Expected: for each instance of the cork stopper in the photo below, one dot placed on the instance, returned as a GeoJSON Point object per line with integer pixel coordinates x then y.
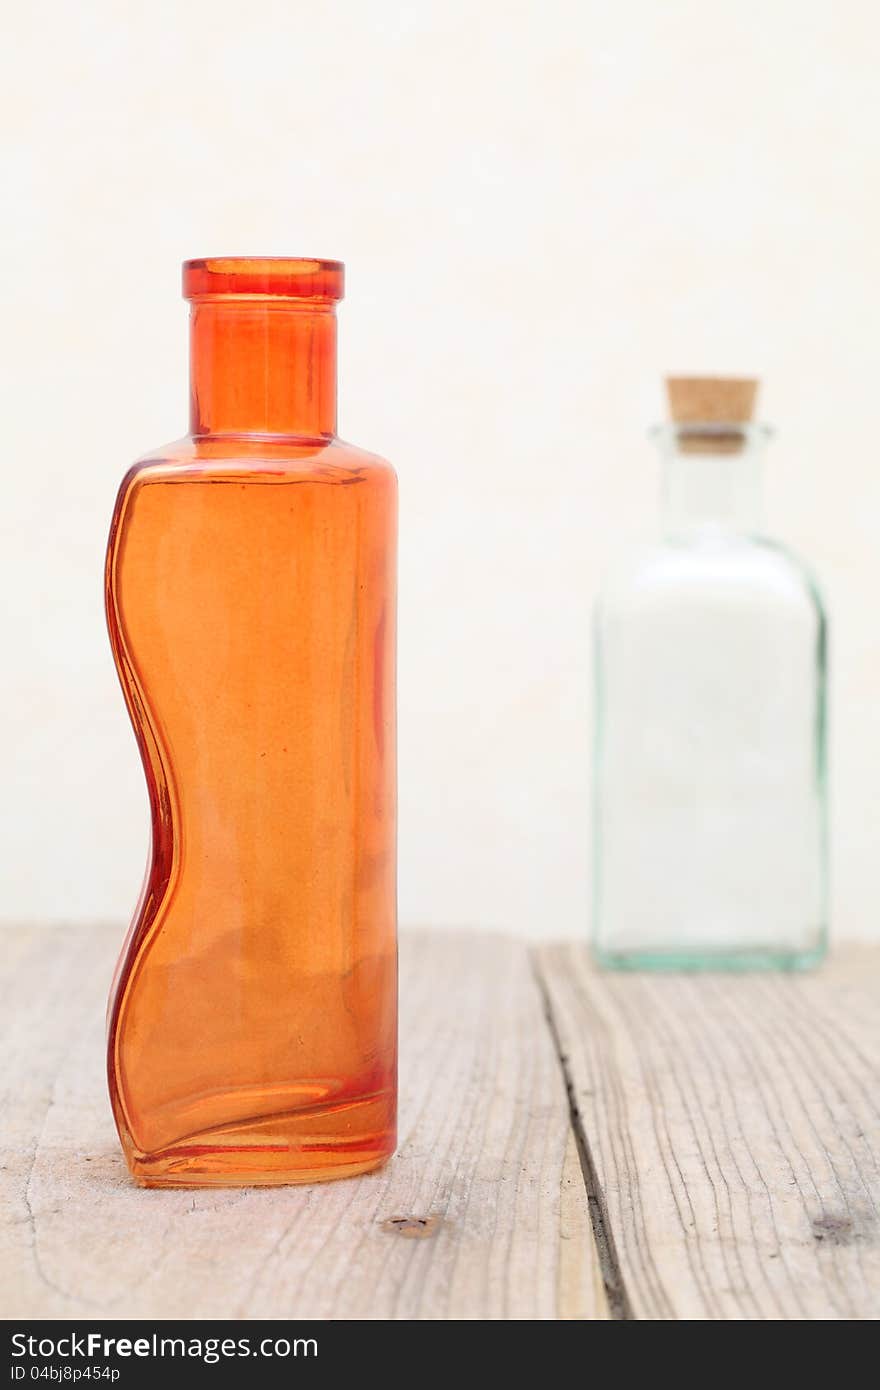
{"type": "Point", "coordinates": [715, 401]}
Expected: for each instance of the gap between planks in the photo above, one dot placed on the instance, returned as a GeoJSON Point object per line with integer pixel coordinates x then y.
{"type": "Point", "coordinates": [616, 1297]}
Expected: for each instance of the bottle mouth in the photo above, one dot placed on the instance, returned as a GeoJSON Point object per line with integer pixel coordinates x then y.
{"type": "Point", "coordinates": [263, 277]}
{"type": "Point", "coordinates": [717, 434]}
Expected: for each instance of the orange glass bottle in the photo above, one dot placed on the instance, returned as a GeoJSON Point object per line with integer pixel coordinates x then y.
{"type": "Point", "coordinates": [251, 605]}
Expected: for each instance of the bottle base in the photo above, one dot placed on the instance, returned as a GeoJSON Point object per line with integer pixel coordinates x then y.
{"type": "Point", "coordinates": [191, 1164]}
{"type": "Point", "coordinates": [301, 1146]}
{"type": "Point", "coordinates": [724, 961]}
{"type": "Point", "coordinates": [231, 1168]}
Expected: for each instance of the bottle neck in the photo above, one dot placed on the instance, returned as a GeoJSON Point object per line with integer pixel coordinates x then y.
{"type": "Point", "coordinates": [710, 488]}
{"type": "Point", "coordinates": [263, 367]}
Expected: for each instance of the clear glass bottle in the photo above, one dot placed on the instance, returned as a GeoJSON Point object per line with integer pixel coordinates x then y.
{"type": "Point", "coordinates": [710, 757]}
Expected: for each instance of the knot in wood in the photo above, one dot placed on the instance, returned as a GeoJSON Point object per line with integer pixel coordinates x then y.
{"type": "Point", "coordinates": [413, 1227]}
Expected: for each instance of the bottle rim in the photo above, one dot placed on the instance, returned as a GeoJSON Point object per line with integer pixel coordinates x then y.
{"type": "Point", "coordinates": [263, 277]}
{"type": "Point", "coordinates": [749, 432]}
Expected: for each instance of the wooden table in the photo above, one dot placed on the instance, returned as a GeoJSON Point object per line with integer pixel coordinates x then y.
{"type": "Point", "coordinates": [572, 1145]}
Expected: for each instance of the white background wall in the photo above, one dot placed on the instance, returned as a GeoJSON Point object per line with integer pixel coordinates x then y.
{"type": "Point", "coordinates": [543, 206]}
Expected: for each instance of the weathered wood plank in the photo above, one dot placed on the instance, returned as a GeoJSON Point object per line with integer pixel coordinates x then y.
{"type": "Point", "coordinates": [733, 1129]}
{"type": "Point", "coordinates": [486, 1158]}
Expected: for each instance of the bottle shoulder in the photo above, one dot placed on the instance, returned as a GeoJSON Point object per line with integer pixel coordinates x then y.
{"type": "Point", "coordinates": [254, 459]}
{"type": "Point", "coordinates": [749, 568]}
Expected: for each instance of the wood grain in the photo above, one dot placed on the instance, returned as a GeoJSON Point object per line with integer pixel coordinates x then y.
{"type": "Point", "coordinates": [732, 1126]}
{"type": "Point", "coordinates": [481, 1214]}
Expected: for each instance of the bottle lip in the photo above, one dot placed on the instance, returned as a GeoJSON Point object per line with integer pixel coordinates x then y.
{"type": "Point", "coordinates": [713, 430]}
{"type": "Point", "coordinates": [263, 277]}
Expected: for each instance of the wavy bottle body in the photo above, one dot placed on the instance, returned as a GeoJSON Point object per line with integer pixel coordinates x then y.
{"type": "Point", "coordinates": [251, 608]}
